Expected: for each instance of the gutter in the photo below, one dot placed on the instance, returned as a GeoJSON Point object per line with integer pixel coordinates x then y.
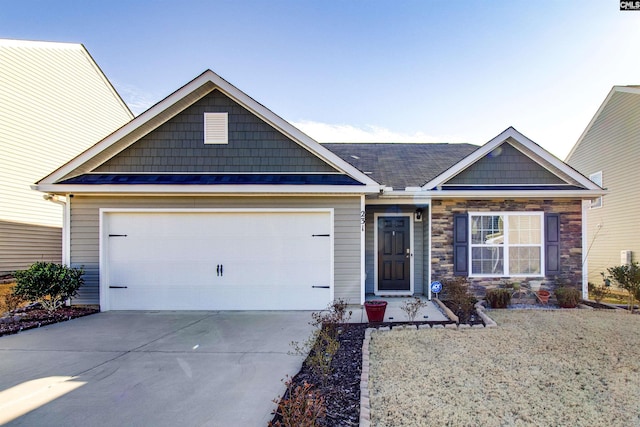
{"type": "Point", "coordinates": [66, 222]}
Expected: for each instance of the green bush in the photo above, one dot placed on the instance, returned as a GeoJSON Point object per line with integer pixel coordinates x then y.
{"type": "Point", "coordinates": [48, 283]}
{"type": "Point", "coordinates": [568, 297]}
{"type": "Point", "coordinates": [628, 278]}
{"type": "Point", "coordinates": [598, 293]}
{"type": "Point", "coordinates": [498, 298]}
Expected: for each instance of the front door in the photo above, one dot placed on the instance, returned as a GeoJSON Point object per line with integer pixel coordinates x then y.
{"type": "Point", "coordinates": [394, 254]}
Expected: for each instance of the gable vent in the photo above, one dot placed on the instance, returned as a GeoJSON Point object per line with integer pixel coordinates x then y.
{"type": "Point", "coordinates": [216, 129]}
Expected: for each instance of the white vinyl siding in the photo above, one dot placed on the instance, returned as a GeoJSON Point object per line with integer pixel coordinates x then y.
{"type": "Point", "coordinates": [611, 145]}
{"type": "Point", "coordinates": [597, 178]}
{"type": "Point", "coordinates": [506, 244]}
{"type": "Point", "coordinates": [347, 228]}
{"type": "Point", "coordinates": [55, 103]}
{"type": "Point", "coordinates": [216, 128]}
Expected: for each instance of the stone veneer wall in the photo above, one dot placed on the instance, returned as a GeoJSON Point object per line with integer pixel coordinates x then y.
{"type": "Point", "coordinates": [570, 231]}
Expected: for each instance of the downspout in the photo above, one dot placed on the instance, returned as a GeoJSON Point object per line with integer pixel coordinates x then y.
{"type": "Point", "coordinates": [429, 252]}
{"type": "Point", "coordinates": [66, 231]}
{"type": "Point", "coordinates": [586, 204]}
{"type": "Point", "coordinates": [362, 250]}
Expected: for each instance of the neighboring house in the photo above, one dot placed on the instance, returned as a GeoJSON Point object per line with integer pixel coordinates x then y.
{"type": "Point", "coordinates": [54, 103]}
{"type": "Point", "coordinates": [209, 200]}
{"type": "Point", "coordinates": [608, 152]}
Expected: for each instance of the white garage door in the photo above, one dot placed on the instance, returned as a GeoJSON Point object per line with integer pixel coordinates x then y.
{"type": "Point", "coordinates": [217, 260]}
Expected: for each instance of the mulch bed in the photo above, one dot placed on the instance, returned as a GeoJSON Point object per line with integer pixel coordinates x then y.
{"type": "Point", "coordinates": [470, 318]}
{"type": "Point", "coordinates": [34, 317]}
{"type": "Point", "coordinates": [342, 391]}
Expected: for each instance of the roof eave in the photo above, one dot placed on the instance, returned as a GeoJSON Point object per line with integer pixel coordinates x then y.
{"type": "Point", "coordinates": [237, 95]}
{"type": "Point", "coordinates": [495, 194]}
{"type": "Point", "coordinates": [142, 189]}
{"type": "Point", "coordinates": [524, 141]}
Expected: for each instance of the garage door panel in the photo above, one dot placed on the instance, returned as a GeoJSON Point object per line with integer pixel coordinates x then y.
{"type": "Point", "coordinates": [270, 260]}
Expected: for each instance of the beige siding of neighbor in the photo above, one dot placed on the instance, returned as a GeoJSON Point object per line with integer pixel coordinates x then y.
{"type": "Point", "coordinates": [54, 103]}
{"type": "Point", "coordinates": [612, 145]}
{"type": "Point", "coordinates": [85, 250]}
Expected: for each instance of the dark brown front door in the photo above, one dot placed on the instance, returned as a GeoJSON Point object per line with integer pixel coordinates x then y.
{"type": "Point", "coordinates": [394, 256]}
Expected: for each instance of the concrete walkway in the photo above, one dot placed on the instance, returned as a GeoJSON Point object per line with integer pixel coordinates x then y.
{"type": "Point", "coordinates": [394, 313]}
{"type": "Point", "coordinates": [150, 368]}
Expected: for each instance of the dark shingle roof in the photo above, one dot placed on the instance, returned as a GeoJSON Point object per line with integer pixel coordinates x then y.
{"type": "Point", "coordinates": [401, 165]}
{"type": "Point", "coordinates": [211, 179]}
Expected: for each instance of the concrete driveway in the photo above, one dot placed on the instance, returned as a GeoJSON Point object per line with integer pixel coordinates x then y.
{"type": "Point", "coordinates": [150, 368]}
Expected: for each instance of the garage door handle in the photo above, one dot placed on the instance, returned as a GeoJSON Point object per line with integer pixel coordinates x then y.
{"type": "Point", "coordinates": [320, 287]}
{"type": "Point", "coordinates": [117, 287]}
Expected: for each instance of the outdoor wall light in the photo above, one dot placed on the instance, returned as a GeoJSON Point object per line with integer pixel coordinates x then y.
{"type": "Point", "coordinates": [418, 215]}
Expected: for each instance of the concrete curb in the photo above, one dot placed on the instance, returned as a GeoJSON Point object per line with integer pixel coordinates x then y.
{"type": "Point", "coordinates": [365, 405]}
{"type": "Point", "coordinates": [447, 310]}
{"type": "Point", "coordinates": [488, 322]}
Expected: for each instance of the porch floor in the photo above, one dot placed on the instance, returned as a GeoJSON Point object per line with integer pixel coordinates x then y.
{"type": "Point", "coordinates": [394, 313]}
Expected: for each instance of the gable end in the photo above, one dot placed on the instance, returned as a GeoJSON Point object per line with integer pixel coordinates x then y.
{"type": "Point", "coordinates": [505, 166]}
{"type": "Point", "coordinates": [178, 145]}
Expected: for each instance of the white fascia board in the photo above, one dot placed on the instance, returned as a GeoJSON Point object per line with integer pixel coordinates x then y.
{"type": "Point", "coordinates": [125, 130]}
{"type": "Point", "coordinates": [204, 189]}
{"type": "Point", "coordinates": [288, 129]}
{"type": "Point", "coordinates": [469, 160]}
{"type": "Point", "coordinates": [526, 143]}
{"type": "Point", "coordinates": [234, 93]}
{"type": "Point", "coordinates": [494, 194]}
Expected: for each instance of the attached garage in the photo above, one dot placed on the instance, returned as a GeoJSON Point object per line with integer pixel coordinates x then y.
{"type": "Point", "coordinates": [231, 259]}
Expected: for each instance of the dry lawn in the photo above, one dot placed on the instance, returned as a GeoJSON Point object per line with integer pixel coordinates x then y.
{"type": "Point", "coordinates": [537, 368]}
{"type": "Point", "coordinates": [5, 289]}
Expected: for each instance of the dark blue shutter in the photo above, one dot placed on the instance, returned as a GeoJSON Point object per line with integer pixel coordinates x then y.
{"type": "Point", "coordinates": [461, 245]}
{"type": "Point", "coordinates": [552, 243]}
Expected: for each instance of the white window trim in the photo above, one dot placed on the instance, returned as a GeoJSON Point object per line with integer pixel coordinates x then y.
{"type": "Point", "coordinates": [597, 202]}
{"type": "Point", "coordinates": [506, 245]}
{"type": "Point", "coordinates": [216, 128]}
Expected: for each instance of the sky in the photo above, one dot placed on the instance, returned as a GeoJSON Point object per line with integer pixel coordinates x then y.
{"type": "Point", "coordinates": [364, 70]}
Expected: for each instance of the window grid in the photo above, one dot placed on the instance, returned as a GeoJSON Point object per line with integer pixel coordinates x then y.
{"type": "Point", "coordinates": [506, 244]}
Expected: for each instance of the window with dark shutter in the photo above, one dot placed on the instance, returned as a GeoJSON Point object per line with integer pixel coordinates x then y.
{"type": "Point", "coordinates": [461, 245]}
{"type": "Point", "coordinates": [552, 243]}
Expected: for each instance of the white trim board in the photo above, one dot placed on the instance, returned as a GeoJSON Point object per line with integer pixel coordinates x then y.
{"type": "Point", "coordinates": [528, 145]}
{"type": "Point", "coordinates": [184, 97]}
{"type": "Point", "coordinates": [409, 215]}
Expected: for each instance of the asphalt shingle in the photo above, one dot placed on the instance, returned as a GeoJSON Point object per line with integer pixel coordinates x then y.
{"type": "Point", "coordinates": [401, 165]}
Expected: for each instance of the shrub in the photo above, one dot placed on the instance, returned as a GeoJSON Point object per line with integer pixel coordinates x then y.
{"type": "Point", "coordinates": [323, 343]}
{"type": "Point", "coordinates": [301, 407]}
{"type": "Point", "coordinates": [628, 278]}
{"type": "Point", "coordinates": [48, 283]}
{"type": "Point", "coordinates": [498, 298]}
{"type": "Point", "coordinates": [568, 297]}
{"type": "Point", "coordinates": [598, 293]}
{"type": "Point", "coordinates": [412, 306]}
{"type": "Point", "coordinates": [335, 314]}
{"type": "Point", "coordinates": [457, 292]}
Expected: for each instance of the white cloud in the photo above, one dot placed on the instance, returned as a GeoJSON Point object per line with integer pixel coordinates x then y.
{"type": "Point", "coordinates": [137, 100]}
{"type": "Point", "coordinates": [327, 132]}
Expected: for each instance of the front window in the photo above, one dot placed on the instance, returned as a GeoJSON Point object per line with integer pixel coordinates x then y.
{"type": "Point", "coordinates": [506, 244]}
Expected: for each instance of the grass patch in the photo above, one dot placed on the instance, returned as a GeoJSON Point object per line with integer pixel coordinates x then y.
{"type": "Point", "coordinates": [5, 289]}
{"type": "Point", "coordinates": [540, 368]}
